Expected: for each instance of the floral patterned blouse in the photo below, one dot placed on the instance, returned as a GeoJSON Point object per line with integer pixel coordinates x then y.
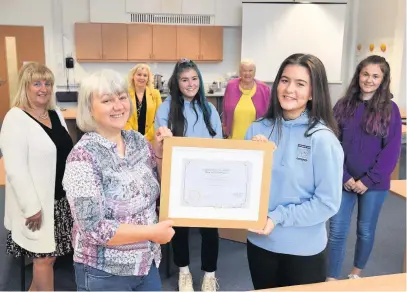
{"type": "Point", "coordinates": [105, 190]}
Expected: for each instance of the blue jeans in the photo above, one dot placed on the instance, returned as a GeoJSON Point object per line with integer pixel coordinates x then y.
{"type": "Point", "coordinates": [91, 279]}
{"type": "Point", "coordinates": [369, 206]}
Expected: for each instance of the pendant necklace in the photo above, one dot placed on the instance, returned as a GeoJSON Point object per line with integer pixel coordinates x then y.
{"type": "Point", "coordinates": [43, 116]}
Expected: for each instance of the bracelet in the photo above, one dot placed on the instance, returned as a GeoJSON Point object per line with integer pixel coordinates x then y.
{"type": "Point", "coordinates": [157, 156]}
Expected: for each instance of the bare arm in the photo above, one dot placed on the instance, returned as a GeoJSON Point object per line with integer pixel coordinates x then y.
{"type": "Point", "coordinates": [157, 153]}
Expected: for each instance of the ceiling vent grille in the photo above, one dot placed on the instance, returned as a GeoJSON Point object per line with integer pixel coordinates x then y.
{"type": "Point", "coordinates": [172, 18]}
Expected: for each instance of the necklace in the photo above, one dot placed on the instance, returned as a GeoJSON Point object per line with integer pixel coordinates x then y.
{"type": "Point", "coordinates": [43, 116]}
{"type": "Point", "coordinates": [139, 106]}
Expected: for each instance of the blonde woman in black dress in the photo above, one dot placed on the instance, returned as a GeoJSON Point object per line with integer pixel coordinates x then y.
{"type": "Point", "coordinates": [35, 144]}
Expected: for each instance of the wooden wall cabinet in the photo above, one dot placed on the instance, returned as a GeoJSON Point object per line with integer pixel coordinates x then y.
{"type": "Point", "coordinates": [188, 42]}
{"type": "Point", "coordinates": [114, 41]}
{"type": "Point", "coordinates": [164, 42]}
{"type": "Point", "coordinates": [101, 41]}
{"type": "Point", "coordinates": [211, 43]}
{"type": "Point", "coordinates": [119, 42]}
{"type": "Point", "coordinates": [200, 43]}
{"type": "Point", "coordinates": [146, 42]}
{"type": "Point", "coordinates": [139, 42]}
{"type": "Point", "coordinates": [88, 41]}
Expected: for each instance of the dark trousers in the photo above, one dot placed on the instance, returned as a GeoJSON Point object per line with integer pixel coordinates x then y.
{"type": "Point", "coordinates": [270, 270]}
{"type": "Point", "coordinates": [209, 248]}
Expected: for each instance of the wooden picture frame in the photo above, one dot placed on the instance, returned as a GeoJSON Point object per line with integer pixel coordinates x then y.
{"type": "Point", "coordinates": [256, 159]}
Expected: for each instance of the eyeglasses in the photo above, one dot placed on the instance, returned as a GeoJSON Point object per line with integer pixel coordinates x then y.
{"type": "Point", "coordinates": [183, 60]}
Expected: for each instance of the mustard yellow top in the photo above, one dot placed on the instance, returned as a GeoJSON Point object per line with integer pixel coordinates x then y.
{"type": "Point", "coordinates": [244, 114]}
{"type": "Point", "coordinates": [153, 102]}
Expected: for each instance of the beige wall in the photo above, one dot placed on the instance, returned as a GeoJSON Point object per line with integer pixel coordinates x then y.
{"type": "Point", "coordinates": [376, 22]}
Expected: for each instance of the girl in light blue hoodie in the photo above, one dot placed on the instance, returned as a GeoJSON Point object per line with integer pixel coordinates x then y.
{"type": "Point", "coordinates": [306, 185]}
{"type": "Point", "coordinates": [187, 113]}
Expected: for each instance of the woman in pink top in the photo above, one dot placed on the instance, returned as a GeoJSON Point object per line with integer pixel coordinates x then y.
{"type": "Point", "coordinates": [246, 100]}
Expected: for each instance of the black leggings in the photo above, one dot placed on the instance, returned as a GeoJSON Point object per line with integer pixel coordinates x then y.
{"type": "Point", "coordinates": [270, 270]}
{"type": "Point", "coordinates": [209, 248]}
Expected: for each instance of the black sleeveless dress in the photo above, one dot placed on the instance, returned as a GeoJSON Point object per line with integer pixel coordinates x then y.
{"type": "Point", "coordinates": [62, 214]}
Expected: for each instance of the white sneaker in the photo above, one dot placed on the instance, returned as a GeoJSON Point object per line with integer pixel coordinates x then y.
{"type": "Point", "coordinates": [185, 282]}
{"type": "Point", "coordinates": [209, 284]}
{"type": "Point", "coordinates": [352, 276]}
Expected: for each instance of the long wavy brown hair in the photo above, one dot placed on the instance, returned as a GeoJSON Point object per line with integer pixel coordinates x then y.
{"type": "Point", "coordinates": [377, 114]}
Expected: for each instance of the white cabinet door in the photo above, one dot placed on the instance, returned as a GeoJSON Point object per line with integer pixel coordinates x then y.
{"type": "Point", "coordinates": [228, 13]}
{"type": "Point", "coordinates": [171, 6]}
{"type": "Point", "coordinates": [143, 6]}
{"type": "Point", "coordinates": [199, 7]}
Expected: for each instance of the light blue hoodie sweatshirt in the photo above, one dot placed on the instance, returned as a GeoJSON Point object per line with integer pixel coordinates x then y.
{"type": "Point", "coordinates": [196, 128]}
{"type": "Point", "coordinates": [306, 186]}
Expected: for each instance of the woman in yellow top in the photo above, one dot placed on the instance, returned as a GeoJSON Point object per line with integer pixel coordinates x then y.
{"type": "Point", "coordinates": [246, 100]}
{"type": "Point", "coordinates": [245, 112]}
{"type": "Point", "coordinates": [145, 99]}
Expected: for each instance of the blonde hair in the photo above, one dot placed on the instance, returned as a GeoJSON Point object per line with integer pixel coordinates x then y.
{"type": "Point", "coordinates": [28, 73]}
{"type": "Point", "coordinates": [102, 82]}
{"type": "Point", "coordinates": [134, 70]}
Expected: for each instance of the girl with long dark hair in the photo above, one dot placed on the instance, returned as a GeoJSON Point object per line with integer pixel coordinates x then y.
{"type": "Point", "coordinates": [306, 183]}
{"type": "Point", "coordinates": [187, 113]}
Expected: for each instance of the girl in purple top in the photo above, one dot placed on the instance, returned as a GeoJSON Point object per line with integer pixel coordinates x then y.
{"type": "Point", "coordinates": [370, 126]}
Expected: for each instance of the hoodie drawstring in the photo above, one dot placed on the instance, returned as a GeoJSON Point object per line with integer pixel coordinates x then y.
{"type": "Point", "coordinates": [283, 158]}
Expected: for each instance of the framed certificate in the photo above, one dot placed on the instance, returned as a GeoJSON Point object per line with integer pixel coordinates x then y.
{"type": "Point", "coordinates": [216, 182]}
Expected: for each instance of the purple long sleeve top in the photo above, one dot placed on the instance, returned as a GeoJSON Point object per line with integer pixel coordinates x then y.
{"type": "Point", "coordinates": [370, 158]}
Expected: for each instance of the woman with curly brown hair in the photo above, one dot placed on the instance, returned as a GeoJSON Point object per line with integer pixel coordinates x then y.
{"type": "Point", "coordinates": [370, 132]}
